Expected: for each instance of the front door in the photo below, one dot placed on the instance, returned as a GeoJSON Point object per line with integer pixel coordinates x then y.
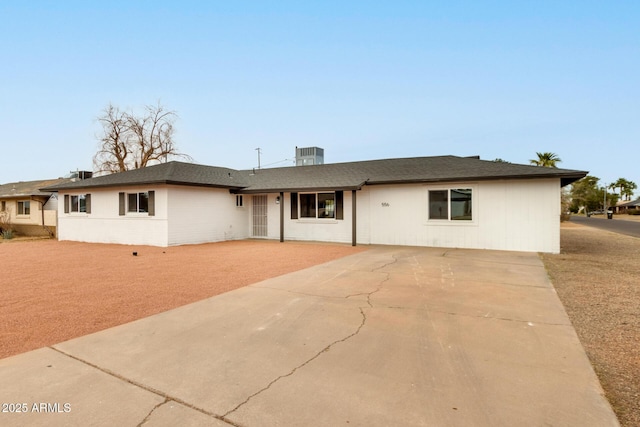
{"type": "Point", "coordinates": [260, 216]}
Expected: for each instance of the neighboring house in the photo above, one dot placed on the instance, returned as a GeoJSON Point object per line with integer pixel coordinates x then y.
{"type": "Point", "coordinates": [443, 201]}
{"type": "Point", "coordinates": [31, 211]}
{"type": "Point", "coordinates": [626, 207]}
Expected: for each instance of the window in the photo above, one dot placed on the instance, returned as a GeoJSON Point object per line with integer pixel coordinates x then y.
{"type": "Point", "coordinates": [3, 207]}
{"type": "Point", "coordinates": [439, 204]}
{"type": "Point", "coordinates": [326, 205]}
{"type": "Point", "coordinates": [453, 204]}
{"type": "Point", "coordinates": [239, 201]}
{"type": "Point", "coordinates": [317, 205]}
{"type": "Point", "coordinates": [77, 203]}
{"type": "Point", "coordinates": [24, 207]}
{"type": "Point", "coordinates": [138, 202]}
{"type": "Point", "coordinates": [307, 205]}
{"type": "Point", "coordinates": [461, 204]}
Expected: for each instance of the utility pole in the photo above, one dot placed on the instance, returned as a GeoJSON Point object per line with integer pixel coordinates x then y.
{"type": "Point", "coordinates": [259, 151]}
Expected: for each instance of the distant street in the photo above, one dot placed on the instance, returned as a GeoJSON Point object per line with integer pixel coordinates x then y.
{"type": "Point", "coordinates": [630, 228]}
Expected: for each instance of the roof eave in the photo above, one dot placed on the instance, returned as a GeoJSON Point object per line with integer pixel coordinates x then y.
{"type": "Point", "coordinates": [299, 189]}
{"type": "Point", "coordinates": [565, 179]}
{"type": "Point", "coordinates": [23, 195]}
{"type": "Point", "coordinates": [138, 184]}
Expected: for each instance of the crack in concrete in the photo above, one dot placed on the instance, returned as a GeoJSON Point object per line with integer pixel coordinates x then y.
{"type": "Point", "coordinates": [324, 350]}
{"type": "Point", "coordinates": [152, 411]}
{"type": "Point", "coordinates": [386, 279]}
{"type": "Point", "coordinates": [157, 392]}
{"type": "Point", "coordinates": [169, 398]}
{"type": "Point", "coordinates": [395, 260]}
{"type": "Point", "coordinates": [328, 347]}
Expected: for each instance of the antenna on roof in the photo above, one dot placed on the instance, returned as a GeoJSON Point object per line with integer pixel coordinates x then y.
{"type": "Point", "coordinates": [259, 151]}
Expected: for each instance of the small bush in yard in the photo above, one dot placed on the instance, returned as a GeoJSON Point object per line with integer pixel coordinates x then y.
{"type": "Point", "coordinates": [6, 228]}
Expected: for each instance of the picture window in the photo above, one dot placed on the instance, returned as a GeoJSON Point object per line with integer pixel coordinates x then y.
{"type": "Point", "coordinates": [318, 205]}
{"type": "Point", "coordinates": [451, 205]}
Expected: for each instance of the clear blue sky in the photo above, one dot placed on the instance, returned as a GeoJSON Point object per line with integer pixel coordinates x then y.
{"type": "Point", "coordinates": [364, 80]}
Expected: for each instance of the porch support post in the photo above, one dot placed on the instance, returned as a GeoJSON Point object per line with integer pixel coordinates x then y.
{"type": "Point", "coordinates": [282, 216]}
{"type": "Point", "coordinates": [353, 218]}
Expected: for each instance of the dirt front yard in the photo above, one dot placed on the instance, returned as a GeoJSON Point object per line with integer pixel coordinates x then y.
{"type": "Point", "coordinates": [53, 291]}
{"type": "Point", "coordinates": [597, 277]}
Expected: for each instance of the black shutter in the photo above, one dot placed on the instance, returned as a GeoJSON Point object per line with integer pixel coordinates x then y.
{"type": "Point", "coordinates": [294, 205]}
{"type": "Point", "coordinates": [66, 203]}
{"type": "Point", "coordinates": [152, 203]}
{"type": "Point", "coordinates": [121, 197]}
{"type": "Point", "coordinates": [88, 203]}
{"type": "Point", "coordinates": [339, 205]}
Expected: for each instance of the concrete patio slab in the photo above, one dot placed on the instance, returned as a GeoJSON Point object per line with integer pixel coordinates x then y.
{"type": "Point", "coordinates": [389, 336]}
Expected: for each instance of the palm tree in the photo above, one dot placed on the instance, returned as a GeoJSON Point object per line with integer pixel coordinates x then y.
{"type": "Point", "coordinates": [547, 160]}
{"type": "Point", "coordinates": [626, 187]}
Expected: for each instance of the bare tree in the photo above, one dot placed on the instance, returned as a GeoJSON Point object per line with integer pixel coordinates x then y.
{"type": "Point", "coordinates": [132, 142]}
{"type": "Point", "coordinates": [113, 154]}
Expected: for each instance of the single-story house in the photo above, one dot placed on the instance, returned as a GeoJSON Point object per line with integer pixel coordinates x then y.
{"type": "Point", "coordinates": [30, 210]}
{"type": "Point", "coordinates": [629, 206]}
{"type": "Point", "coordinates": [443, 201]}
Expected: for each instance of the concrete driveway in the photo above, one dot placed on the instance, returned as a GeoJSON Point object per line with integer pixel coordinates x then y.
{"type": "Point", "coordinates": [390, 336]}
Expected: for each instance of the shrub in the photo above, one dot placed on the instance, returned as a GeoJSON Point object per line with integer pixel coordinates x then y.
{"type": "Point", "coordinates": [6, 227]}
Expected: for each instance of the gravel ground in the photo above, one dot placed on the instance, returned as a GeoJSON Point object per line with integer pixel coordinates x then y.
{"type": "Point", "coordinates": [53, 291]}
{"type": "Point", "coordinates": [597, 277]}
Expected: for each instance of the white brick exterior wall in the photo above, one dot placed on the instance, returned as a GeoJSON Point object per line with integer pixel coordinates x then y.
{"type": "Point", "coordinates": [105, 225]}
{"type": "Point", "coordinates": [199, 214]}
{"type": "Point", "coordinates": [183, 215]}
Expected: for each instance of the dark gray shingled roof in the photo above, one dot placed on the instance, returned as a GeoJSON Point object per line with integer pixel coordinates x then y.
{"type": "Point", "coordinates": [342, 176]}
{"type": "Point", "coordinates": [354, 175]}
{"type": "Point", "coordinates": [177, 173]}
